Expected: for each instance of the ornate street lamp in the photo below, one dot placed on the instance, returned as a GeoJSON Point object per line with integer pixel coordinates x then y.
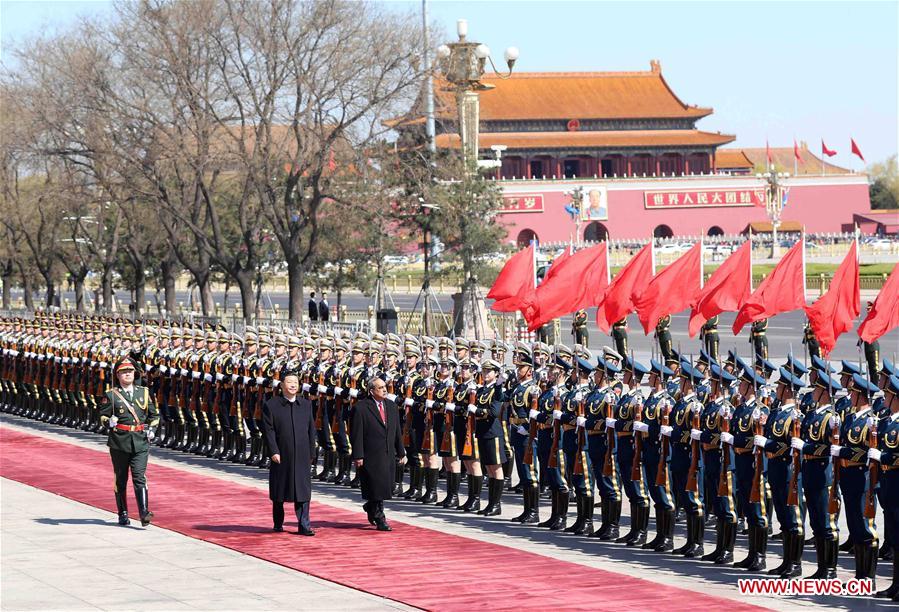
{"type": "Point", "coordinates": [775, 192]}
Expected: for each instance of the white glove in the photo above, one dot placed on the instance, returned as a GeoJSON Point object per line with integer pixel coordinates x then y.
{"type": "Point", "coordinates": [533, 414]}
{"type": "Point", "coordinates": [727, 438]}
{"type": "Point", "coordinates": [761, 441]}
{"type": "Point", "coordinates": [276, 384]}
{"type": "Point", "coordinates": [306, 387]}
{"type": "Point", "coordinates": [874, 454]}
{"type": "Point", "coordinates": [408, 401]}
{"type": "Point", "coordinates": [113, 421]}
{"type": "Point", "coordinates": [163, 369]}
{"type": "Point", "coordinates": [450, 407]}
{"type": "Point", "coordinates": [354, 393]}
{"type": "Point", "coordinates": [260, 380]}
{"type": "Point", "coordinates": [150, 435]}
{"type": "Point", "coordinates": [338, 390]}
{"type": "Point", "coordinates": [666, 430]}
{"type": "Point", "coordinates": [183, 372]}
{"type": "Point", "coordinates": [207, 377]}
{"type": "Point", "coordinates": [835, 450]}
{"type": "Point", "coordinates": [521, 430]}
{"type": "Point", "coordinates": [472, 386]}
{"type": "Point", "coordinates": [102, 364]}
{"type": "Point", "coordinates": [641, 426]}
{"type": "Point", "coordinates": [391, 397]}
{"type": "Point", "coordinates": [195, 374]}
{"type": "Point", "coordinates": [147, 367]}
{"type": "Point", "coordinates": [40, 357]}
{"type": "Point", "coordinates": [472, 409]}
{"type": "Point", "coordinates": [610, 422]}
{"type": "Point", "coordinates": [322, 389]}
{"type": "Point", "coordinates": [234, 378]}
{"type": "Point", "coordinates": [695, 434]}
{"type": "Point", "coordinates": [429, 404]}
{"type": "Point", "coordinates": [797, 444]}
{"type": "Point", "coordinates": [219, 376]}
{"type": "Point", "coordinates": [557, 414]}
{"type": "Point", "coordinates": [93, 363]}
{"type": "Point", "coordinates": [581, 421]}
{"type": "Point", "coordinates": [246, 380]}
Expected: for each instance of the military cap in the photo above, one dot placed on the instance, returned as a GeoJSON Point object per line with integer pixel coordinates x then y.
{"type": "Point", "coordinates": [731, 359]}
{"type": "Point", "coordinates": [889, 368]}
{"type": "Point", "coordinates": [491, 364]}
{"type": "Point", "coordinates": [826, 381]}
{"type": "Point", "coordinates": [330, 333]}
{"type": "Point", "coordinates": [563, 352]}
{"type": "Point", "coordinates": [411, 339]}
{"type": "Point", "coordinates": [766, 366]}
{"type": "Point", "coordinates": [821, 365]}
{"type": "Point", "coordinates": [522, 355]}
{"type": "Point", "coordinates": [412, 350]}
{"type": "Point", "coordinates": [461, 343]}
{"type": "Point", "coordinates": [582, 352]}
{"type": "Point", "coordinates": [541, 348]}
{"type": "Point", "coordinates": [478, 346]}
{"type": "Point", "coordinates": [345, 335]}
{"type": "Point", "coordinates": [265, 340]}
{"type": "Point", "coordinates": [850, 368]}
{"type": "Point", "coordinates": [749, 375]}
{"type": "Point", "coordinates": [893, 385]}
{"type": "Point", "coordinates": [562, 363]}
{"type": "Point", "coordinates": [863, 385]}
{"type": "Point", "coordinates": [740, 366]}
{"type": "Point", "coordinates": [430, 360]}
{"type": "Point", "coordinates": [789, 379]}
{"type": "Point", "coordinates": [608, 367]}
{"type": "Point", "coordinates": [294, 342]}
{"type": "Point", "coordinates": [392, 349]}
{"type": "Point", "coordinates": [394, 339]}
{"type": "Point", "coordinates": [360, 346]}
{"type": "Point", "coordinates": [378, 337]}
{"type": "Point", "coordinates": [341, 345]}
{"type": "Point", "coordinates": [280, 340]}
{"type": "Point", "coordinates": [688, 371]}
{"type": "Point", "coordinates": [662, 370]}
{"type": "Point", "coordinates": [428, 341]}
{"type": "Point", "coordinates": [609, 353]}
{"type": "Point", "coordinates": [722, 375]}
{"type": "Point", "coordinates": [315, 333]}
{"type": "Point", "coordinates": [325, 344]}
{"type": "Point", "coordinates": [123, 365]}
{"type": "Point", "coordinates": [583, 365]}
{"type": "Point", "coordinates": [445, 343]}
{"type": "Point", "coordinates": [795, 366]}
{"type": "Point", "coordinates": [375, 347]}
{"type": "Point", "coordinates": [705, 358]}
{"type": "Point", "coordinates": [636, 367]}
{"type": "Point", "coordinates": [449, 360]}
{"type": "Point", "coordinates": [361, 335]}
{"type": "Point", "coordinates": [498, 346]}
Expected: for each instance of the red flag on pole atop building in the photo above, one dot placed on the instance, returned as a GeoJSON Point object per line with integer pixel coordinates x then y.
{"type": "Point", "coordinates": [782, 291]}
{"type": "Point", "coordinates": [671, 290]}
{"type": "Point", "coordinates": [826, 151]}
{"type": "Point", "coordinates": [576, 284]}
{"type": "Point", "coordinates": [626, 287]}
{"type": "Point", "coordinates": [835, 311]}
{"type": "Point", "coordinates": [727, 290]}
{"type": "Point", "coordinates": [515, 283]}
{"type": "Point", "coordinates": [856, 150]}
{"type": "Point", "coordinates": [796, 152]}
{"type": "Point", "coordinates": [884, 313]}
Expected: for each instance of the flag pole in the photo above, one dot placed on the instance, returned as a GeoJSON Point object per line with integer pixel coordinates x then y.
{"type": "Point", "coordinates": [750, 258]}
{"type": "Point", "coordinates": [823, 165]}
{"type": "Point", "coordinates": [802, 239]}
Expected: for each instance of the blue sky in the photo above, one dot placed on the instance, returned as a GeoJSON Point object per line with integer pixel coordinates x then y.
{"type": "Point", "coordinates": [771, 70]}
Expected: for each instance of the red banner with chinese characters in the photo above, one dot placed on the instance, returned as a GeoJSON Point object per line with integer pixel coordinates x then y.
{"type": "Point", "coordinates": [704, 198]}
{"type": "Point", "coordinates": [522, 203]}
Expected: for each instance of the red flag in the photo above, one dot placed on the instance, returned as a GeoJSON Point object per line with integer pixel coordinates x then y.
{"type": "Point", "coordinates": [626, 287]}
{"type": "Point", "coordinates": [826, 151]}
{"type": "Point", "coordinates": [515, 281]}
{"type": "Point", "coordinates": [727, 290]}
{"type": "Point", "coordinates": [835, 311]}
{"type": "Point", "coordinates": [768, 153]}
{"type": "Point", "coordinates": [782, 291]}
{"type": "Point", "coordinates": [796, 153]}
{"type": "Point", "coordinates": [672, 289]}
{"type": "Point", "coordinates": [856, 150]}
{"type": "Point", "coordinates": [556, 264]}
{"type": "Point", "coordinates": [884, 314]}
{"type": "Point", "coordinates": [576, 284]}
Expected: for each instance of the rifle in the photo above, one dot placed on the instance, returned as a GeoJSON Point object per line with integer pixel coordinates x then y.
{"type": "Point", "coordinates": [553, 461]}
{"type": "Point", "coordinates": [407, 425]}
{"type": "Point", "coordinates": [581, 438]}
{"type": "Point", "coordinates": [427, 444]}
{"type": "Point", "coordinates": [692, 480]}
{"type": "Point", "coordinates": [320, 413]}
{"type": "Point", "coordinates": [607, 468]}
{"type": "Point", "coordinates": [446, 444]}
{"type": "Point", "coordinates": [662, 469]}
{"type": "Point", "coordinates": [338, 412]}
{"type": "Point", "coordinates": [637, 465]}
{"type": "Point", "coordinates": [793, 494]}
{"type": "Point", "coordinates": [755, 494]}
{"type": "Point", "coordinates": [873, 472]}
{"type": "Point", "coordinates": [468, 447]}
{"type": "Point", "coordinates": [532, 435]}
{"type": "Point", "coordinates": [834, 502]}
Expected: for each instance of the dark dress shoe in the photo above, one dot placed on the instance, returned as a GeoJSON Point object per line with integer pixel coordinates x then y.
{"type": "Point", "coordinates": [383, 526]}
{"type": "Point", "coordinates": [305, 532]}
{"type": "Point", "coordinates": [278, 529]}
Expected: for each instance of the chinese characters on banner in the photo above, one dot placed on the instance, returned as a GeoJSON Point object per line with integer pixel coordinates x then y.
{"type": "Point", "coordinates": [521, 203]}
{"type": "Point", "coordinates": [704, 198]}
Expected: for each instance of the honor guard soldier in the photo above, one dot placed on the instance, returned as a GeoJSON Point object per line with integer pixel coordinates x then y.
{"type": "Point", "coordinates": [663, 336]}
{"type": "Point", "coordinates": [619, 336]}
{"type": "Point", "coordinates": [423, 426]}
{"type": "Point", "coordinates": [872, 352]}
{"type": "Point", "coordinates": [444, 426]}
{"type": "Point", "coordinates": [687, 409]}
{"type": "Point", "coordinates": [656, 410]}
{"type": "Point", "coordinates": [886, 457]}
{"type": "Point", "coordinates": [818, 472]}
{"type": "Point", "coordinates": [708, 334]}
{"type": "Point", "coordinates": [574, 445]}
{"type": "Point", "coordinates": [599, 404]}
{"type": "Point", "coordinates": [129, 412]}
{"type": "Point", "coordinates": [466, 434]}
{"type": "Point", "coordinates": [522, 400]}
{"type": "Point", "coordinates": [758, 337]}
{"type": "Point", "coordinates": [579, 328]}
{"type": "Point", "coordinates": [852, 451]}
{"type": "Point", "coordinates": [810, 341]}
{"type": "Point", "coordinates": [486, 410]}
{"type": "Point", "coordinates": [549, 450]}
{"type": "Point", "coordinates": [405, 390]}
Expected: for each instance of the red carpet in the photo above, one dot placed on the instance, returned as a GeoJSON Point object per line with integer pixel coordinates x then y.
{"type": "Point", "coordinates": [417, 566]}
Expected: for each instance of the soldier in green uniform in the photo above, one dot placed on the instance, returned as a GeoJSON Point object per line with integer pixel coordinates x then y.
{"type": "Point", "coordinates": [709, 336]}
{"type": "Point", "coordinates": [619, 335]}
{"type": "Point", "coordinates": [759, 339]}
{"type": "Point", "coordinates": [810, 341]}
{"type": "Point", "coordinates": [872, 353]}
{"type": "Point", "coordinates": [579, 328]}
{"type": "Point", "coordinates": [129, 412]}
{"type": "Point", "coordinates": [663, 335]}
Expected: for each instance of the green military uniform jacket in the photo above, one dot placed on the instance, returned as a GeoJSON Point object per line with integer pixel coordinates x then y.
{"type": "Point", "coordinates": [116, 403]}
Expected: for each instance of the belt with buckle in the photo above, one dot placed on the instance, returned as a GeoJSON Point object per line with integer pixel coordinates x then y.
{"type": "Point", "coordinates": [518, 421]}
{"type": "Point", "coordinates": [129, 427]}
{"type": "Point", "coordinates": [742, 451]}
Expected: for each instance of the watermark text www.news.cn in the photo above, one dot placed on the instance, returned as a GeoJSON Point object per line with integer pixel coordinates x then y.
{"type": "Point", "coordinates": [835, 586]}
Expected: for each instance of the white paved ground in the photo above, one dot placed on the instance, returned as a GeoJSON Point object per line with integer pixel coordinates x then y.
{"type": "Point", "coordinates": [665, 570]}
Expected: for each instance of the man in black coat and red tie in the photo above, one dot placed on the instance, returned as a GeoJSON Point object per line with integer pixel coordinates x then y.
{"type": "Point", "coordinates": [289, 427]}
{"type": "Point", "coordinates": [377, 448]}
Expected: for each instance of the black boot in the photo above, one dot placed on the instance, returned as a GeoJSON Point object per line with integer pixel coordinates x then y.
{"type": "Point", "coordinates": [761, 549]}
{"type": "Point", "coordinates": [415, 476]}
{"type": "Point", "coordinates": [667, 542]}
{"type": "Point", "coordinates": [698, 537]}
{"type": "Point", "coordinates": [581, 517]}
{"type": "Point", "coordinates": [632, 535]}
{"type": "Point", "coordinates": [752, 557]}
{"type": "Point", "coordinates": [892, 590]}
{"type": "Point", "coordinates": [867, 557]}
{"type": "Point", "coordinates": [562, 516]}
{"type": "Point", "coordinates": [240, 446]}
{"type": "Point", "coordinates": [586, 528]}
{"type": "Point", "coordinates": [727, 544]}
{"type": "Point", "coordinates": [507, 473]}
{"type": "Point", "coordinates": [651, 545]}
{"type": "Point", "coordinates": [398, 480]}
{"type": "Point", "coordinates": [531, 504]}
{"type": "Point", "coordinates": [342, 467]}
{"type": "Point", "coordinates": [328, 464]}
{"type": "Point", "coordinates": [494, 497]}
{"type": "Point", "coordinates": [797, 545]}
{"type": "Point", "coordinates": [143, 505]}
{"type": "Point", "coordinates": [121, 503]}
{"type": "Point", "coordinates": [526, 502]}
{"type": "Point", "coordinates": [215, 440]}
{"type": "Point", "coordinates": [828, 551]}
{"type": "Point", "coordinates": [691, 539]}
{"type": "Point", "coordinates": [554, 513]}
{"type": "Point", "coordinates": [431, 477]}
{"type": "Point", "coordinates": [453, 479]}
{"type": "Point", "coordinates": [642, 525]}
{"type": "Point", "coordinates": [786, 563]}
{"type": "Point", "coordinates": [473, 503]}
{"type": "Point", "coordinates": [612, 530]}
{"type": "Point", "coordinates": [719, 542]}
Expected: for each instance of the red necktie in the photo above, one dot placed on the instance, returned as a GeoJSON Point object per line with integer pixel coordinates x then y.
{"type": "Point", "coordinates": [381, 410]}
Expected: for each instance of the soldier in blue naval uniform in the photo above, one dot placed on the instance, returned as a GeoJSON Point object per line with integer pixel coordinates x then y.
{"type": "Point", "coordinates": [853, 451]}
{"type": "Point", "coordinates": [625, 417]}
{"type": "Point", "coordinates": [520, 400]}
{"type": "Point", "coordinates": [489, 433]}
{"type": "Point", "coordinates": [604, 393]}
{"type": "Point", "coordinates": [655, 410]}
{"type": "Point", "coordinates": [556, 477]}
{"type": "Point", "coordinates": [887, 455]}
{"type": "Point", "coordinates": [817, 473]}
{"type": "Point", "coordinates": [881, 408]}
{"type": "Point", "coordinates": [576, 456]}
{"type": "Point", "coordinates": [680, 432]}
{"type": "Point", "coordinates": [129, 412]}
{"type": "Point", "coordinates": [776, 444]}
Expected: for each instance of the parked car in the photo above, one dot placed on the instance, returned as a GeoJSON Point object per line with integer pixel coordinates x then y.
{"type": "Point", "coordinates": [881, 244]}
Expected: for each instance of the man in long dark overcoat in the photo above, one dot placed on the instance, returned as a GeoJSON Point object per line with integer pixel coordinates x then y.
{"type": "Point", "coordinates": [289, 426]}
{"type": "Point", "coordinates": [377, 448]}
